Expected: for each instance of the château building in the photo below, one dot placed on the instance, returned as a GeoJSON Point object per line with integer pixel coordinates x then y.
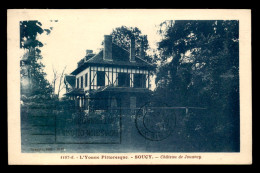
{"type": "Point", "coordinates": [114, 77]}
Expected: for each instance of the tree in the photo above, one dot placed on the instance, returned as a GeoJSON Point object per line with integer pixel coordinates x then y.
{"type": "Point", "coordinates": [30, 62]}
{"type": "Point", "coordinates": [60, 83]}
{"type": "Point", "coordinates": [29, 30]}
{"type": "Point", "coordinates": [55, 77]}
{"type": "Point", "coordinates": [198, 54]}
{"type": "Point", "coordinates": [122, 36]}
{"type": "Point", "coordinates": [200, 67]}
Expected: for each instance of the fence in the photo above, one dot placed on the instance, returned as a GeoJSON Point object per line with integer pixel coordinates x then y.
{"type": "Point", "coordinates": [128, 127]}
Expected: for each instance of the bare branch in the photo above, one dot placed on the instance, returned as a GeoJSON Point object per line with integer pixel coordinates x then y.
{"type": "Point", "coordinates": [61, 77]}
{"type": "Point", "coordinates": [54, 79]}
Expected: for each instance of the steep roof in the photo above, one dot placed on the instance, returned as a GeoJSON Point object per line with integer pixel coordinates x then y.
{"type": "Point", "coordinates": [120, 57]}
{"type": "Point", "coordinates": [70, 79]}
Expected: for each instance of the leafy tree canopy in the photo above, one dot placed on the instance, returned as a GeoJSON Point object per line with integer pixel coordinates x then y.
{"type": "Point", "coordinates": [28, 34]}
{"type": "Point", "coordinates": [200, 68]}
{"type": "Point", "coordinates": [122, 36]}
{"type": "Point", "coordinates": [29, 30]}
{"type": "Point", "coordinates": [199, 60]}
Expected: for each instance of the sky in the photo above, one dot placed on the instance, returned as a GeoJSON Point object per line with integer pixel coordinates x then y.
{"type": "Point", "coordinates": [71, 36]}
{"type": "Point", "coordinates": [81, 29]}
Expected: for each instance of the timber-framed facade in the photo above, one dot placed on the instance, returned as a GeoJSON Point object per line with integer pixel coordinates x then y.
{"type": "Point", "coordinates": [114, 75]}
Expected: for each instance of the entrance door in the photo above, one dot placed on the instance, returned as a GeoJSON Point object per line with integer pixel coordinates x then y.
{"type": "Point", "coordinates": [113, 102]}
{"type": "Point", "coordinates": [132, 103]}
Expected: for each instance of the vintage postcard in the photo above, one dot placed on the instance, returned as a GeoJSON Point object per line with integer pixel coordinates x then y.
{"type": "Point", "coordinates": [139, 86]}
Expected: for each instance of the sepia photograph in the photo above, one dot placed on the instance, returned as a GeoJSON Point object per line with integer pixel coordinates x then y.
{"type": "Point", "coordinates": [128, 86]}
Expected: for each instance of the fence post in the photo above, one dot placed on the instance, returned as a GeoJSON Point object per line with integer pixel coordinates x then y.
{"type": "Point", "coordinates": [187, 111]}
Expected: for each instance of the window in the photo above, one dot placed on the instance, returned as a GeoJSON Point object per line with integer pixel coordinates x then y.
{"type": "Point", "coordinates": [123, 79]}
{"type": "Point", "coordinates": [139, 81]}
{"type": "Point", "coordinates": [81, 82]}
{"type": "Point", "coordinates": [77, 82]}
{"type": "Point", "coordinates": [86, 79]}
{"type": "Point", "coordinates": [100, 78]}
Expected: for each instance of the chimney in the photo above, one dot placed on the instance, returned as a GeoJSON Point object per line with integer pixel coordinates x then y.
{"type": "Point", "coordinates": [132, 49]}
{"type": "Point", "coordinates": [107, 53]}
{"type": "Point", "coordinates": [88, 52]}
{"type": "Point", "coordinates": [142, 48]}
